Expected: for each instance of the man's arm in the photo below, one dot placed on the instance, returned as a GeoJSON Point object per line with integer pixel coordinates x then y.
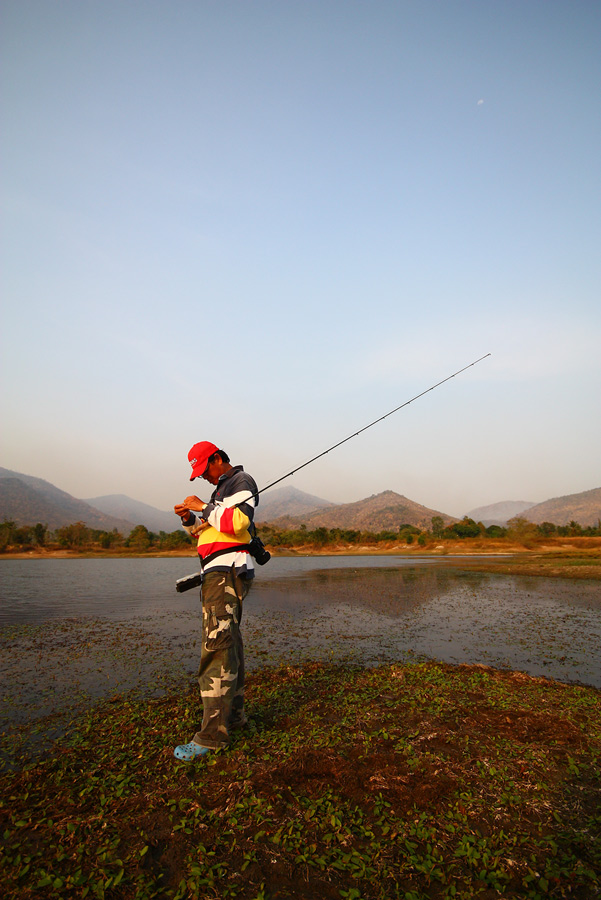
{"type": "Point", "coordinates": [234, 515]}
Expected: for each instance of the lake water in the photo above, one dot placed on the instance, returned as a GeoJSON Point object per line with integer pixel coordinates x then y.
{"type": "Point", "coordinates": [73, 630]}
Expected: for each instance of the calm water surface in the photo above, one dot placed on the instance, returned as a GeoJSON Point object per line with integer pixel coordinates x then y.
{"type": "Point", "coordinates": [40, 589]}
{"type": "Point", "coordinates": [75, 630]}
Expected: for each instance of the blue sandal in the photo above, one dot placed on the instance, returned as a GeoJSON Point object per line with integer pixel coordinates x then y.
{"type": "Point", "coordinates": [189, 752]}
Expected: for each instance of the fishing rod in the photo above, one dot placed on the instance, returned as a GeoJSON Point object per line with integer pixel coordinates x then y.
{"type": "Point", "coordinates": [365, 427]}
{"type": "Point", "coordinates": [256, 546]}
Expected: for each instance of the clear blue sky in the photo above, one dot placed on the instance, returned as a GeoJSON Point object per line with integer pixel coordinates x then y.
{"type": "Point", "coordinates": [267, 223]}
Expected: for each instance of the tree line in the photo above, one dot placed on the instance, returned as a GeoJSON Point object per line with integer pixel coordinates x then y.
{"type": "Point", "coordinates": [78, 536]}
{"type": "Point", "coordinates": [517, 529]}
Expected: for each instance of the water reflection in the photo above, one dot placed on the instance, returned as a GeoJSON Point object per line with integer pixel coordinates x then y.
{"type": "Point", "coordinates": [389, 591]}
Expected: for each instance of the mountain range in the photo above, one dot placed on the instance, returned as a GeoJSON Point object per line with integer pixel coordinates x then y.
{"type": "Point", "coordinates": [380, 512]}
{"type": "Point", "coordinates": [500, 513]}
{"type": "Point", "coordinates": [287, 501]}
{"type": "Point", "coordinates": [25, 500]}
{"type": "Point", "coordinates": [584, 508]}
{"type": "Point", "coordinates": [122, 506]}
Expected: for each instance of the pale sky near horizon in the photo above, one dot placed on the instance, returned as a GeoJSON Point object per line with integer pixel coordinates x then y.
{"type": "Point", "coordinates": [266, 224]}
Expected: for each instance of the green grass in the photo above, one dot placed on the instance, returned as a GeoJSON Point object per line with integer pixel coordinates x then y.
{"type": "Point", "coordinates": [413, 782]}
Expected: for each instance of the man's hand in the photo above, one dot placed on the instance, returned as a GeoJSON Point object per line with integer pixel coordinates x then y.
{"type": "Point", "coordinates": [194, 503]}
{"type": "Point", "coordinates": [182, 509]}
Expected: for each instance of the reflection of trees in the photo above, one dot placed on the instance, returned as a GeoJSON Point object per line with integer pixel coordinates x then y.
{"type": "Point", "coordinates": [387, 591]}
{"type": "Point", "coordinates": [473, 580]}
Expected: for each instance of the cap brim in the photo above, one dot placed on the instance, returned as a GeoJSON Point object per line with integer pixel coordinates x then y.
{"type": "Point", "coordinates": [197, 471]}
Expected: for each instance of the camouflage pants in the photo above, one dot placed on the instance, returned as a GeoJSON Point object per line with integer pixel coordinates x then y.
{"type": "Point", "coordinates": [221, 670]}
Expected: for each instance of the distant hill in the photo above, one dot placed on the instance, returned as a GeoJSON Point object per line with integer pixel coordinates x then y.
{"type": "Point", "coordinates": [500, 513]}
{"type": "Point", "coordinates": [287, 501]}
{"type": "Point", "coordinates": [27, 500]}
{"type": "Point", "coordinates": [381, 512]}
{"type": "Point", "coordinates": [584, 508]}
{"type": "Point", "coordinates": [125, 507]}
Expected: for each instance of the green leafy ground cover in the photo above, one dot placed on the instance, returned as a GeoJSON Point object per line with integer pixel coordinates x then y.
{"type": "Point", "coordinates": [405, 781]}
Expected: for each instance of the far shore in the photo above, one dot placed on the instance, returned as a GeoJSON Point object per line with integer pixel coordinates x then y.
{"type": "Point", "coordinates": [578, 557]}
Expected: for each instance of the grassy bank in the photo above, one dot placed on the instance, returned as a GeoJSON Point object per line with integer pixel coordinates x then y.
{"type": "Point", "coordinates": [551, 563]}
{"type": "Point", "coordinates": [413, 782]}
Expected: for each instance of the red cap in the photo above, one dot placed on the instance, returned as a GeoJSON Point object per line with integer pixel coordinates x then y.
{"type": "Point", "coordinates": [199, 455]}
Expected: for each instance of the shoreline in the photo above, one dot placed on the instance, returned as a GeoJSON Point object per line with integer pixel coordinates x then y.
{"type": "Point", "coordinates": [459, 546]}
{"type": "Point", "coordinates": [563, 558]}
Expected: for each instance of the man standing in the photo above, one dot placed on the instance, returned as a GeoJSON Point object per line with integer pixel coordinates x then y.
{"type": "Point", "coordinates": [223, 528]}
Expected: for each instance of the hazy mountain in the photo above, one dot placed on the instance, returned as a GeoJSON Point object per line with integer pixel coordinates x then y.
{"type": "Point", "coordinates": [381, 512]}
{"type": "Point", "coordinates": [135, 511]}
{"type": "Point", "coordinates": [287, 501]}
{"type": "Point", "coordinates": [273, 504]}
{"type": "Point", "coordinates": [584, 508]}
{"type": "Point", "coordinates": [500, 513]}
{"type": "Point", "coordinates": [27, 500]}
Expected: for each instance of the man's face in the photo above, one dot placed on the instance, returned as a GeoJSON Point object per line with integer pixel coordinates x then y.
{"type": "Point", "coordinates": [212, 471]}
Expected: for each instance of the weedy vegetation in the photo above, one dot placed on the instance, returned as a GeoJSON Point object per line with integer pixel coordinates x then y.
{"type": "Point", "coordinates": [405, 781]}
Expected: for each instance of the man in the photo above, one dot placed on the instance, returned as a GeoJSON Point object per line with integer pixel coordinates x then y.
{"type": "Point", "coordinates": [223, 528]}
